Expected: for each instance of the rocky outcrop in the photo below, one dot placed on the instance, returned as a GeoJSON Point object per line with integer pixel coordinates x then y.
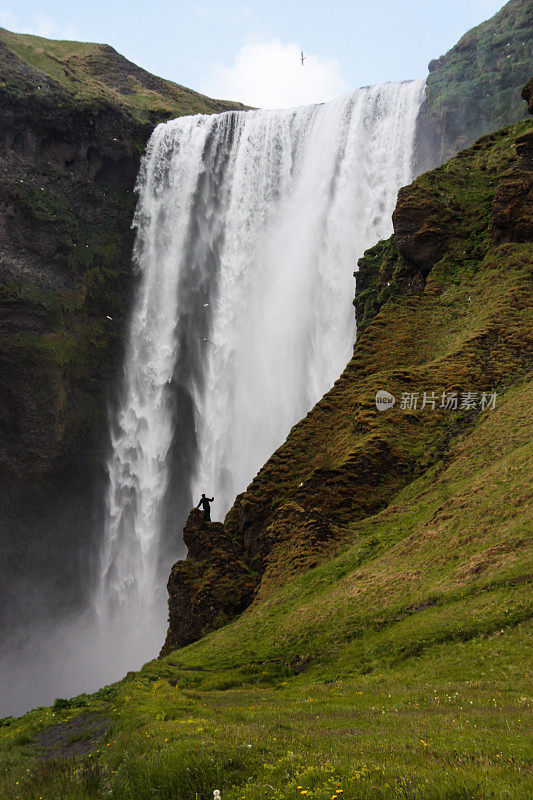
{"type": "Point", "coordinates": [475, 88]}
{"type": "Point", "coordinates": [74, 120]}
{"type": "Point", "coordinates": [211, 587]}
{"type": "Point", "coordinates": [441, 308]}
{"type": "Point", "coordinates": [424, 226]}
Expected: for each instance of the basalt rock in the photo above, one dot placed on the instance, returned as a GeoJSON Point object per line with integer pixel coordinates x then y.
{"type": "Point", "coordinates": [424, 225]}
{"type": "Point", "coordinates": [527, 94]}
{"type": "Point", "coordinates": [512, 209]}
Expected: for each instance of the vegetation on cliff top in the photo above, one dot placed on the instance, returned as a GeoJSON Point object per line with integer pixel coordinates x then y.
{"type": "Point", "coordinates": [95, 74]}
{"type": "Point", "coordinates": [497, 51]}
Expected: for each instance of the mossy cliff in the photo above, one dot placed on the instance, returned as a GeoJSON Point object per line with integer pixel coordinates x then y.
{"type": "Point", "coordinates": [475, 87]}
{"type": "Point", "coordinates": [441, 307]}
{"type": "Point", "coordinates": [74, 120]}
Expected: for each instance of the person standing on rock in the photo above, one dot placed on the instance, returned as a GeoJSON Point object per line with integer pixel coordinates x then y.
{"type": "Point", "coordinates": [204, 502]}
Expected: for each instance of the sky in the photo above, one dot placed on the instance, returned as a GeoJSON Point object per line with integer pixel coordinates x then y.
{"type": "Point", "coordinates": [249, 50]}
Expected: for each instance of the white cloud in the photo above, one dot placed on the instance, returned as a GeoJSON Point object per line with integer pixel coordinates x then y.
{"type": "Point", "coordinates": [270, 75]}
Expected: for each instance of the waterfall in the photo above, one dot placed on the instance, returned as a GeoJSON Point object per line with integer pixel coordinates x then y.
{"type": "Point", "coordinates": [249, 225]}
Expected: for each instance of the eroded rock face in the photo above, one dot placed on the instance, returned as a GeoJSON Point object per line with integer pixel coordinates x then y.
{"type": "Point", "coordinates": [527, 94]}
{"type": "Point", "coordinates": [512, 209]}
{"type": "Point", "coordinates": [424, 225]}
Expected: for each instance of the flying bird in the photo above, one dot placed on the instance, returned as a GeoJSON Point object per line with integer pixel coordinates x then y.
{"type": "Point", "coordinates": [302, 57]}
{"type": "Point", "coordinates": [203, 339]}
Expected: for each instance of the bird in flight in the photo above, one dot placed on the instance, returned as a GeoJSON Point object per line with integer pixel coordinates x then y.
{"type": "Point", "coordinates": [302, 57]}
{"type": "Point", "coordinates": [203, 339]}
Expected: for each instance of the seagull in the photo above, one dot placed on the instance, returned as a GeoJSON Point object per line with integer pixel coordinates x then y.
{"type": "Point", "coordinates": [205, 305]}
{"type": "Point", "coordinates": [302, 57]}
{"type": "Point", "coordinates": [203, 339]}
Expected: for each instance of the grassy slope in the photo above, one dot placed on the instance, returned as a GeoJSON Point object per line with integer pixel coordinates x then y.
{"type": "Point", "coordinates": [397, 667]}
{"type": "Point", "coordinates": [466, 329]}
{"type": "Point", "coordinates": [96, 73]}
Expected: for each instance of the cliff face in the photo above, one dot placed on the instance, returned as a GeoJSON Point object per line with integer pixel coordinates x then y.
{"type": "Point", "coordinates": [475, 87]}
{"type": "Point", "coordinates": [74, 120]}
{"type": "Point", "coordinates": [441, 308]}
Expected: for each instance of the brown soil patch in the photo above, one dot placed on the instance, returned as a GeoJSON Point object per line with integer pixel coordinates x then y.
{"type": "Point", "coordinates": [492, 557]}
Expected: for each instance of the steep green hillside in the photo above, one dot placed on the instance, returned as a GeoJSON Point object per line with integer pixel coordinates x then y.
{"type": "Point", "coordinates": [475, 87]}
{"type": "Point", "coordinates": [385, 654]}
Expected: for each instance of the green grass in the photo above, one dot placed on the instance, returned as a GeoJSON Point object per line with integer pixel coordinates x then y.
{"type": "Point", "coordinates": [451, 723]}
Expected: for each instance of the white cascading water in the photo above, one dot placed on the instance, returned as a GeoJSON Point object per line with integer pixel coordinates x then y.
{"type": "Point", "coordinates": [256, 220]}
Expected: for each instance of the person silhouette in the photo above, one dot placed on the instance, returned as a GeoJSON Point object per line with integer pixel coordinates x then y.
{"type": "Point", "coordinates": [204, 502]}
